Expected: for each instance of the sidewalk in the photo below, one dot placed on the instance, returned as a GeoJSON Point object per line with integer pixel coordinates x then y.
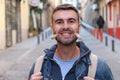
{"type": "Point", "coordinates": [109, 38]}
{"type": "Point", "coordinates": [11, 60]}
{"type": "Point", "coordinates": [116, 43]}
{"type": "Point", "coordinates": [105, 52]}
{"type": "Point", "coordinates": [16, 61]}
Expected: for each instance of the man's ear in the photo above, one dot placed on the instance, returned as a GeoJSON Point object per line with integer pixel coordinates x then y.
{"type": "Point", "coordinates": [79, 27]}
{"type": "Point", "coordinates": [52, 28]}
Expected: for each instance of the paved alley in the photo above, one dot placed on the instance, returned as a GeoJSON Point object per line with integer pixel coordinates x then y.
{"type": "Point", "coordinates": [16, 61]}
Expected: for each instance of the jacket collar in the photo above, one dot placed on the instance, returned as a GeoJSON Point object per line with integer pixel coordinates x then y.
{"type": "Point", "coordinates": [84, 52]}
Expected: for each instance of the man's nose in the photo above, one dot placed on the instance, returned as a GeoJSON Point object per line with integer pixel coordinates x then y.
{"type": "Point", "coordinates": [66, 25]}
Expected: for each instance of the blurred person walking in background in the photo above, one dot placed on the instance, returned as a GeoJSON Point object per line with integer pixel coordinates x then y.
{"type": "Point", "coordinates": [100, 22]}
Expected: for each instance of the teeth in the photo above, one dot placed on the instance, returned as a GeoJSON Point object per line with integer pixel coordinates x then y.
{"type": "Point", "coordinates": [65, 34]}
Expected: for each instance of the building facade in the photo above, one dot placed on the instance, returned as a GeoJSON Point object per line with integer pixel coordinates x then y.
{"type": "Point", "coordinates": [14, 22]}
{"type": "Point", "coordinates": [113, 13]}
{"type": "Point", "coordinates": [47, 11]}
{"type": "Point", "coordinates": [2, 25]}
{"type": "Point", "coordinates": [82, 5]}
{"type": "Point", "coordinates": [109, 9]}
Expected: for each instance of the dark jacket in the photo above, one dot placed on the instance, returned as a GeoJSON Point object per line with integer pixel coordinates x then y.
{"type": "Point", "coordinates": [51, 70]}
{"type": "Point", "coordinates": [100, 22]}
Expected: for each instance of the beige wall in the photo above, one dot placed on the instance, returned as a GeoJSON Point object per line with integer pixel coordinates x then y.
{"type": "Point", "coordinates": [46, 15]}
{"type": "Point", "coordinates": [24, 22]}
{"type": "Point", "coordinates": [24, 18]}
{"type": "Point", "coordinates": [83, 5]}
{"type": "Point", "coordinates": [45, 20]}
{"type": "Point", "coordinates": [114, 12]}
{"type": "Point", "coordinates": [103, 10]}
{"type": "Point", "coordinates": [2, 24]}
{"type": "Point", "coordinates": [57, 2]}
{"type": "Point", "coordinates": [54, 3]}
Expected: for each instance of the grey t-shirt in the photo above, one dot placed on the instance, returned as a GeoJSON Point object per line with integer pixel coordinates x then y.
{"type": "Point", "coordinates": [65, 65]}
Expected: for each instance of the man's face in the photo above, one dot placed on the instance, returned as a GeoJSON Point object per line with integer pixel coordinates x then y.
{"type": "Point", "coordinates": [65, 24]}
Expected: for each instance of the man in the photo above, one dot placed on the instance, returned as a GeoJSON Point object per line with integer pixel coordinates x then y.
{"type": "Point", "coordinates": [68, 59]}
{"type": "Point", "coordinates": [100, 23]}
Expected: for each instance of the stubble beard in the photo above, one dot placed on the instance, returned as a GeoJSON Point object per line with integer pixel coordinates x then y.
{"type": "Point", "coordinates": [67, 42]}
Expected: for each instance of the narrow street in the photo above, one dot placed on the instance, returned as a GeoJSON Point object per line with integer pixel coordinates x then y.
{"type": "Point", "coordinates": [16, 61]}
{"type": "Point", "coordinates": [25, 32]}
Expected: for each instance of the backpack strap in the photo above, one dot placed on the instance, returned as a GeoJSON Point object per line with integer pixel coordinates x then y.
{"type": "Point", "coordinates": [91, 71]}
{"type": "Point", "coordinates": [38, 64]}
{"type": "Point", "coordinates": [47, 66]}
{"type": "Point", "coordinates": [93, 66]}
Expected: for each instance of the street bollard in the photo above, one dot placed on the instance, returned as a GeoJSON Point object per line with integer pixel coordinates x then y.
{"type": "Point", "coordinates": [48, 34]}
{"type": "Point", "coordinates": [45, 35]}
{"type": "Point", "coordinates": [38, 39]}
{"type": "Point", "coordinates": [42, 36]}
{"type": "Point", "coordinates": [113, 45]}
{"type": "Point", "coordinates": [106, 40]}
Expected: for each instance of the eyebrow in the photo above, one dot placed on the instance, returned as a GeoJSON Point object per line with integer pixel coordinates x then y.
{"type": "Point", "coordinates": [67, 19]}
{"type": "Point", "coordinates": [58, 20]}
{"type": "Point", "coordinates": [72, 19]}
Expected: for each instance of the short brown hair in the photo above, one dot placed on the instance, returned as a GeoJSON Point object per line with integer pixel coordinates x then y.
{"type": "Point", "coordinates": [65, 7]}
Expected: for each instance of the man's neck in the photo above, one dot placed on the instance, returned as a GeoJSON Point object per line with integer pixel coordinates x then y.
{"type": "Point", "coordinates": [67, 52]}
